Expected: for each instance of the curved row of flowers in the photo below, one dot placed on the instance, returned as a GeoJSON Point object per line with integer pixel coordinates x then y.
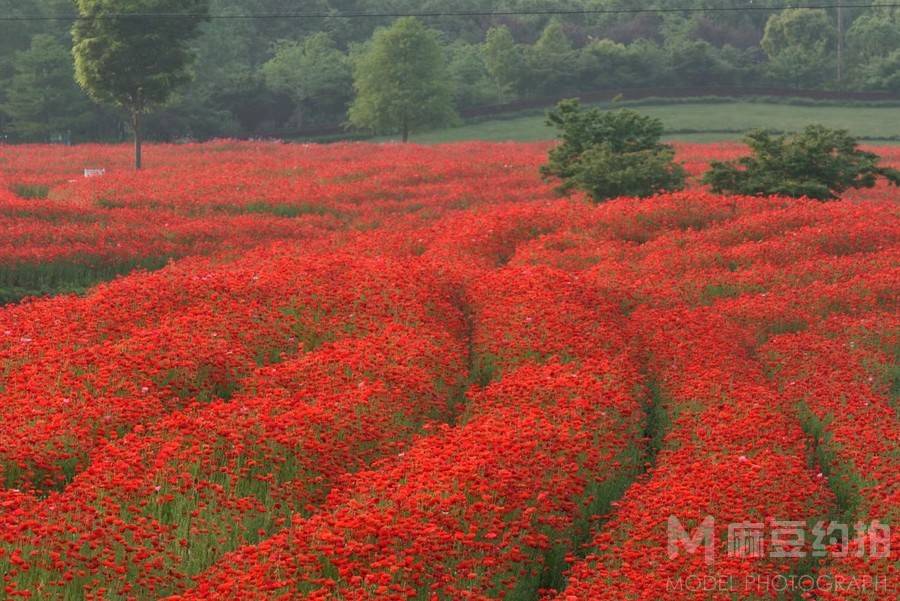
{"type": "Point", "coordinates": [74, 396]}
{"type": "Point", "coordinates": [164, 501]}
{"type": "Point", "coordinates": [831, 376]}
{"type": "Point", "coordinates": [736, 452]}
{"type": "Point", "coordinates": [493, 506]}
{"type": "Point", "coordinates": [291, 423]}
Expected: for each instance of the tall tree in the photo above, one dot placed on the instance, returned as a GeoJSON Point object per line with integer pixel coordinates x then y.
{"type": "Point", "coordinates": [871, 41]}
{"type": "Point", "coordinates": [124, 58]}
{"type": "Point", "coordinates": [800, 45]}
{"type": "Point", "coordinates": [14, 36]}
{"type": "Point", "coordinates": [401, 82]}
{"type": "Point", "coordinates": [42, 98]}
{"type": "Point", "coordinates": [504, 61]}
{"type": "Point", "coordinates": [551, 60]}
{"type": "Point", "coordinates": [315, 74]}
{"type": "Point", "coordinates": [695, 63]}
{"type": "Point", "coordinates": [883, 73]}
{"type": "Point", "coordinates": [471, 81]}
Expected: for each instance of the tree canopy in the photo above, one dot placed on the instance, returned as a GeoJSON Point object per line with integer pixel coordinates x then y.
{"type": "Point", "coordinates": [800, 46]}
{"type": "Point", "coordinates": [400, 81]}
{"type": "Point", "coordinates": [232, 89]}
{"type": "Point", "coordinates": [315, 74]}
{"type": "Point", "coordinates": [608, 154]}
{"type": "Point", "coordinates": [818, 163]}
{"type": "Point", "coordinates": [134, 63]}
{"type": "Point", "coordinates": [43, 99]}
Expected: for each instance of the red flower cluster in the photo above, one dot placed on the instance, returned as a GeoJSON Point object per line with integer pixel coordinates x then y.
{"type": "Point", "coordinates": [729, 454]}
{"type": "Point", "coordinates": [496, 503]}
{"type": "Point", "coordinates": [167, 499]}
{"type": "Point", "coordinates": [203, 199]}
{"type": "Point", "coordinates": [413, 373]}
{"type": "Point", "coordinates": [838, 374]}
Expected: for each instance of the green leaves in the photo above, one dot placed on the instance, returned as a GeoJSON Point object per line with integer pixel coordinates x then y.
{"type": "Point", "coordinates": [605, 174]}
{"type": "Point", "coordinates": [132, 62]}
{"type": "Point", "coordinates": [401, 81]}
{"type": "Point", "coordinates": [799, 44]}
{"type": "Point", "coordinates": [611, 153]}
{"type": "Point", "coordinates": [818, 163]}
{"type": "Point", "coordinates": [552, 59]}
{"type": "Point", "coordinates": [505, 62]}
{"type": "Point", "coordinates": [315, 74]}
{"type": "Point", "coordinates": [42, 98]}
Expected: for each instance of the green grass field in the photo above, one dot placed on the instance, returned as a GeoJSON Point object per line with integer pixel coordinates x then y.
{"type": "Point", "coordinates": [702, 122]}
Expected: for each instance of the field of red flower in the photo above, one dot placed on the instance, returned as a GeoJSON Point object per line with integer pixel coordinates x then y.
{"type": "Point", "coordinates": [415, 373]}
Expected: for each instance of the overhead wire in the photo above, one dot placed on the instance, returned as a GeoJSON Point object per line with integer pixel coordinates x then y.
{"type": "Point", "coordinates": [443, 14]}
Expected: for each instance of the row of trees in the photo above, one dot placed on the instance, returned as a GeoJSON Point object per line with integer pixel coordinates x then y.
{"type": "Point", "coordinates": [266, 76]}
{"type": "Point", "coordinates": [610, 154]}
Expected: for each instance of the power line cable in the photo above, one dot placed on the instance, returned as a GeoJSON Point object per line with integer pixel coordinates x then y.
{"type": "Point", "coordinates": [441, 14]}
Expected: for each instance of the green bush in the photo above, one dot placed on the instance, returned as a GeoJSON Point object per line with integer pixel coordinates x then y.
{"type": "Point", "coordinates": [608, 154]}
{"type": "Point", "coordinates": [818, 163]}
{"type": "Point", "coordinates": [31, 191]}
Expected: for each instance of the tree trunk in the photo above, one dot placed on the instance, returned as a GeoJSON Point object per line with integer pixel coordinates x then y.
{"type": "Point", "coordinates": [138, 139]}
{"type": "Point", "coordinates": [405, 131]}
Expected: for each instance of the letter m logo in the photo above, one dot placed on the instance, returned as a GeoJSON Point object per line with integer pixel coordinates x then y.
{"type": "Point", "coordinates": [703, 535]}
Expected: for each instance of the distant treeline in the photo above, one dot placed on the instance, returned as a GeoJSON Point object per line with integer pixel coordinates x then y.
{"type": "Point", "coordinates": [261, 77]}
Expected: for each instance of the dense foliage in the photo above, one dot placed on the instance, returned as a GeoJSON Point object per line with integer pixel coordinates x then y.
{"type": "Point", "coordinates": [315, 74]}
{"type": "Point", "coordinates": [401, 81]}
{"type": "Point", "coordinates": [818, 163]}
{"type": "Point", "coordinates": [489, 60]}
{"type": "Point", "coordinates": [134, 63]}
{"type": "Point", "coordinates": [609, 154]}
{"type": "Point", "coordinates": [398, 372]}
